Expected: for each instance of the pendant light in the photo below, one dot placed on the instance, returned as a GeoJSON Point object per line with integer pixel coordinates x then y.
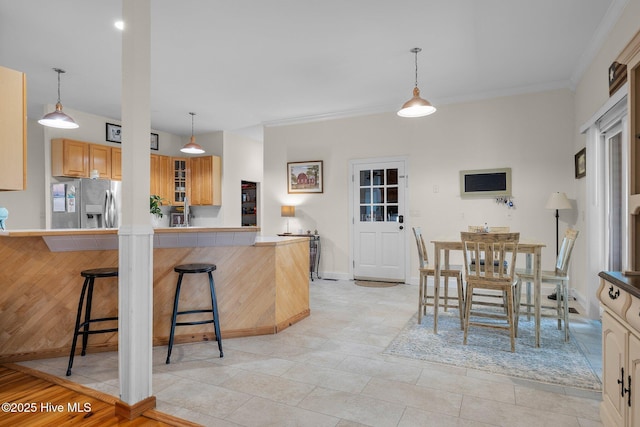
{"type": "Point", "coordinates": [416, 106]}
{"type": "Point", "coordinates": [58, 119]}
{"type": "Point", "coordinates": [192, 147]}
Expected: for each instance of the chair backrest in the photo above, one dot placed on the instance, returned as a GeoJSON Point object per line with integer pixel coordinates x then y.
{"type": "Point", "coordinates": [564, 255]}
{"type": "Point", "coordinates": [480, 229]}
{"type": "Point", "coordinates": [500, 247]}
{"type": "Point", "coordinates": [422, 249]}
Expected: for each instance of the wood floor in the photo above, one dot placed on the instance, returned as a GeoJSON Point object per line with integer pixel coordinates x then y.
{"type": "Point", "coordinates": [33, 398]}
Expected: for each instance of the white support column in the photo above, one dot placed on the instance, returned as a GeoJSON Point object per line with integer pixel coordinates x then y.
{"type": "Point", "coordinates": [135, 234]}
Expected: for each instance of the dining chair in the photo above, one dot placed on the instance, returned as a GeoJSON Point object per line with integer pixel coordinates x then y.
{"type": "Point", "coordinates": [502, 247]}
{"type": "Point", "coordinates": [480, 229]}
{"type": "Point", "coordinates": [558, 277]}
{"type": "Point", "coordinates": [425, 271]}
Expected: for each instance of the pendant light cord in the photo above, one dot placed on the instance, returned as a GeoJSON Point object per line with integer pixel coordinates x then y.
{"type": "Point", "coordinates": [416, 56]}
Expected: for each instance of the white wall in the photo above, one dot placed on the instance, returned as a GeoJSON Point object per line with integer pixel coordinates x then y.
{"type": "Point", "coordinates": [532, 134]}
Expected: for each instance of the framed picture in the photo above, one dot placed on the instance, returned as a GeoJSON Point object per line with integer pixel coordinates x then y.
{"type": "Point", "coordinates": [304, 177]}
{"type": "Point", "coordinates": [581, 163]}
{"type": "Point", "coordinates": [177, 219]}
{"type": "Point", "coordinates": [114, 133]}
{"type": "Point", "coordinates": [154, 141]}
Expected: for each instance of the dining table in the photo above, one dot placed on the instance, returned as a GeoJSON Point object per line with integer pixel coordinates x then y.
{"type": "Point", "coordinates": [530, 247]}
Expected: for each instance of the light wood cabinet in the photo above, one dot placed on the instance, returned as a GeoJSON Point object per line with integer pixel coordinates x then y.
{"type": "Point", "coordinates": [161, 176]}
{"type": "Point", "coordinates": [100, 160]}
{"type": "Point", "coordinates": [13, 130]}
{"type": "Point", "coordinates": [116, 163]}
{"type": "Point", "coordinates": [620, 404]}
{"type": "Point", "coordinates": [206, 186]}
{"type": "Point", "coordinates": [179, 180]}
{"type": "Point", "coordinates": [69, 158]}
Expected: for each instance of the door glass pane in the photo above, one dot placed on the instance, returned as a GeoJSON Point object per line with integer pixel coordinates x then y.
{"type": "Point", "coordinates": [365, 178]}
{"type": "Point", "coordinates": [365, 195]}
{"type": "Point", "coordinates": [392, 213]}
{"type": "Point", "coordinates": [378, 177]}
{"type": "Point", "coordinates": [378, 195]}
{"type": "Point", "coordinates": [378, 213]}
{"type": "Point", "coordinates": [392, 176]}
{"type": "Point", "coordinates": [365, 213]}
{"type": "Point", "coordinates": [392, 194]}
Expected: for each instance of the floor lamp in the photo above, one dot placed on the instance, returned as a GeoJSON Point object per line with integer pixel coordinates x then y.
{"type": "Point", "coordinates": [557, 201]}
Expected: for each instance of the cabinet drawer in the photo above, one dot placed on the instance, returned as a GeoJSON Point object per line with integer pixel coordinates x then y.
{"type": "Point", "coordinates": [633, 313]}
{"type": "Point", "coordinates": [614, 298]}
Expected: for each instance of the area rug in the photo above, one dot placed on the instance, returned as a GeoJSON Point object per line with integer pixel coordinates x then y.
{"type": "Point", "coordinates": [375, 284]}
{"type": "Point", "coordinates": [555, 362]}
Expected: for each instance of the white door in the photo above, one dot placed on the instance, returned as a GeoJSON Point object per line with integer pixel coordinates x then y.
{"type": "Point", "coordinates": [378, 189]}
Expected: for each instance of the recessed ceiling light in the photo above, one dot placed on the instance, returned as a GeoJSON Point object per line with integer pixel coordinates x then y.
{"type": "Point", "coordinates": [119, 25]}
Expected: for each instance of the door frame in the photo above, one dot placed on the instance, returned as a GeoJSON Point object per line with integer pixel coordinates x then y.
{"type": "Point", "coordinates": [405, 202]}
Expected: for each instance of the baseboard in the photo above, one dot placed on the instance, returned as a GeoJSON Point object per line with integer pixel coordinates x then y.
{"type": "Point", "coordinates": [131, 412]}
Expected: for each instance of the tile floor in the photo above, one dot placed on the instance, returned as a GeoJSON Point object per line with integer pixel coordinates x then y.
{"type": "Point", "coordinates": [328, 370]}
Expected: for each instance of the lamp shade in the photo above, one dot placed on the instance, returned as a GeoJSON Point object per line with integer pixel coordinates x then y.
{"type": "Point", "coordinates": [558, 201]}
{"type": "Point", "coordinates": [416, 106]}
{"type": "Point", "coordinates": [192, 147]}
{"type": "Point", "coordinates": [288, 211]}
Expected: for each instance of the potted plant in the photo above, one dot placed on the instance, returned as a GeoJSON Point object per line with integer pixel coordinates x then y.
{"type": "Point", "coordinates": [155, 202]}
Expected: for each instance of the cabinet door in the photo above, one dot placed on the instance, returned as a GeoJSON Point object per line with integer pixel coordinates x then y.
{"type": "Point", "coordinates": [116, 163]}
{"type": "Point", "coordinates": [13, 130]}
{"type": "Point", "coordinates": [205, 180]}
{"type": "Point", "coordinates": [614, 349]}
{"type": "Point", "coordinates": [180, 180]}
{"type": "Point", "coordinates": [100, 160]}
{"type": "Point", "coordinates": [633, 365]}
{"type": "Point", "coordinates": [69, 158]}
{"type": "Point", "coordinates": [161, 177]}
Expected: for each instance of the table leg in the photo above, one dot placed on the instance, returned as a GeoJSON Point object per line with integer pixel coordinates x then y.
{"type": "Point", "coordinates": [537, 279]}
{"type": "Point", "coordinates": [436, 287]}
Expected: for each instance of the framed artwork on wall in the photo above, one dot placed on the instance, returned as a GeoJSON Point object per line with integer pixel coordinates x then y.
{"type": "Point", "coordinates": [304, 177]}
{"type": "Point", "coordinates": [154, 141]}
{"type": "Point", "coordinates": [581, 163]}
{"type": "Point", "coordinates": [114, 133]}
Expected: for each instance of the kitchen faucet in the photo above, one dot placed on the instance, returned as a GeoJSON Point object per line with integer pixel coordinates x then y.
{"type": "Point", "coordinates": [186, 211]}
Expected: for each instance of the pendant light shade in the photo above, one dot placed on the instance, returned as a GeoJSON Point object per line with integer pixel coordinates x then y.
{"type": "Point", "coordinates": [57, 118]}
{"type": "Point", "coordinates": [416, 106]}
{"type": "Point", "coordinates": [192, 147]}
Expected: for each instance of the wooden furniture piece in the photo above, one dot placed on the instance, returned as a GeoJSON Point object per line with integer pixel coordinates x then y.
{"type": "Point", "coordinates": [426, 271]}
{"type": "Point", "coordinates": [504, 247]}
{"type": "Point", "coordinates": [619, 297]}
{"type": "Point", "coordinates": [558, 277]}
{"type": "Point", "coordinates": [531, 248]}
{"type": "Point", "coordinates": [69, 158]}
{"type": "Point", "coordinates": [13, 129]}
{"type": "Point", "coordinates": [195, 269]}
{"type": "Point", "coordinates": [84, 328]}
{"type": "Point", "coordinates": [205, 181]}
{"type": "Point", "coordinates": [161, 180]}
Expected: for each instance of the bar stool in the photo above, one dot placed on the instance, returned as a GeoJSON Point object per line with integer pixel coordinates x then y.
{"type": "Point", "coordinates": [87, 289]}
{"type": "Point", "coordinates": [193, 269]}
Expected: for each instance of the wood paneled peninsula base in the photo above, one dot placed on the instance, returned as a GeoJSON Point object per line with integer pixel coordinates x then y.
{"type": "Point", "coordinates": [262, 285]}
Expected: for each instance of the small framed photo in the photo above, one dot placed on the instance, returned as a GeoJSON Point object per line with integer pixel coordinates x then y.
{"type": "Point", "coordinates": [114, 133]}
{"type": "Point", "coordinates": [154, 141]}
{"type": "Point", "coordinates": [304, 177]}
{"type": "Point", "coordinates": [581, 163]}
{"type": "Point", "coordinates": [177, 219]}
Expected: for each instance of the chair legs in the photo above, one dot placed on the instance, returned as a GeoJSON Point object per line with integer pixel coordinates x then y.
{"type": "Point", "coordinates": [561, 307]}
{"type": "Point", "coordinates": [511, 305]}
{"type": "Point", "coordinates": [423, 298]}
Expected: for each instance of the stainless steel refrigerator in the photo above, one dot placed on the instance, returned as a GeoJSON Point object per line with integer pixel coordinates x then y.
{"type": "Point", "coordinates": [85, 203]}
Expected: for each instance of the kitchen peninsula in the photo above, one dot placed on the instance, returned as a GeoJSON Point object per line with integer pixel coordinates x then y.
{"type": "Point", "coordinates": [262, 285]}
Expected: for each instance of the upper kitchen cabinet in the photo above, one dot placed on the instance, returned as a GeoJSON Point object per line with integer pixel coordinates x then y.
{"type": "Point", "coordinates": [100, 160]}
{"type": "Point", "coordinates": [116, 163]}
{"type": "Point", "coordinates": [161, 177]}
{"type": "Point", "coordinates": [69, 158]}
{"type": "Point", "coordinates": [206, 186]}
{"type": "Point", "coordinates": [13, 130]}
{"type": "Point", "coordinates": [179, 180]}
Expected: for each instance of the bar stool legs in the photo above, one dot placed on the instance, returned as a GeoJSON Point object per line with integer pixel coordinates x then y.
{"type": "Point", "coordinates": [83, 328]}
{"type": "Point", "coordinates": [190, 269]}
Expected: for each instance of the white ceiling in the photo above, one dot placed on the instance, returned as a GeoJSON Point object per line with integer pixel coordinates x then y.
{"type": "Point", "coordinates": [243, 63]}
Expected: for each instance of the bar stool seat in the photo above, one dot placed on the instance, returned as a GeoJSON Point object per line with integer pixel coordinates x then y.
{"type": "Point", "coordinates": [84, 327]}
{"type": "Point", "coordinates": [194, 269]}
